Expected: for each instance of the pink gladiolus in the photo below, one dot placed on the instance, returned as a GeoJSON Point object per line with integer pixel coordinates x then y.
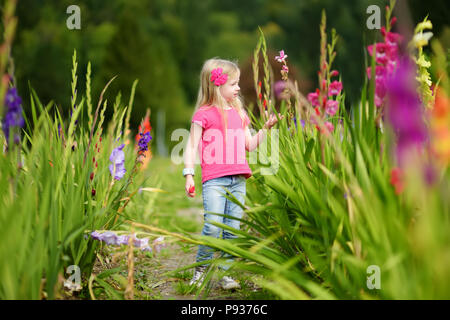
{"type": "Point", "coordinates": [285, 68]}
{"type": "Point", "coordinates": [334, 88]}
{"type": "Point", "coordinates": [329, 126]}
{"type": "Point", "coordinates": [282, 57]}
{"type": "Point", "coordinates": [313, 97]}
{"type": "Point", "coordinates": [334, 73]}
{"type": "Point", "coordinates": [380, 52]}
{"type": "Point", "coordinates": [391, 38]}
{"type": "Point", "coordinates": [380, 71]}
{"type": "Point", "coordinates": [378, 101]}
{"type": "Point", "coordinates": [380, 87]}
{"type": "Point", "coordinates": [331, 107]}
{"type": "Point", "coordinates": [393, 20]}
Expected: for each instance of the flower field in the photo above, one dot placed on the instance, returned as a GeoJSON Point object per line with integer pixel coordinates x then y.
{"type": "Point", "coordinates": [358, 207]}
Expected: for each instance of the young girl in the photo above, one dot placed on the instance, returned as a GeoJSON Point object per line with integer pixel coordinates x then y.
{"type": "Point", "coordinates": [218, 121]}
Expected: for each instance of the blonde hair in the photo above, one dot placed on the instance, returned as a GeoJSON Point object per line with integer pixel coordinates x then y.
{"type": "Point", "coordinates": [209, 94]}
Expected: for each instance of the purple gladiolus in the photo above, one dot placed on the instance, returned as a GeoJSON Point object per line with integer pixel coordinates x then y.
{"type": "Point", "coordinates": [158, 244]}
{"type": "Point", "coordinates": [279, 87]}
{"type": "Point", "coordinates": [111, 238]}
{"type": "Point", "coordinates": [144, 141]}
{"type": "Point", "coordinates": [13, 117]}
{"type": "Point", "coordinates": [404, 110]}
{"type": "Point", "coordinates": [117, 158]}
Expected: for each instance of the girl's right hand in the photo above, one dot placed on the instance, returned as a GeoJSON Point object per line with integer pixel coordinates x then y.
{"type": "Point", "coordinates": [190, 186]}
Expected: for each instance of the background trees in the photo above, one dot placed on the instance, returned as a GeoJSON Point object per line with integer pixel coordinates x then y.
{"type": "Point", "coordinates": [164, 43]}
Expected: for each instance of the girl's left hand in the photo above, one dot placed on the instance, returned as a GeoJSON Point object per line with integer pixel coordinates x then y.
{"type": "Point", "coordinates": [272, 120]}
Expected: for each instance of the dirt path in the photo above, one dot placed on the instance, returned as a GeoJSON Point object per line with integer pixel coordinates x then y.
{"type": "Point", "coordinates": [166, 283]}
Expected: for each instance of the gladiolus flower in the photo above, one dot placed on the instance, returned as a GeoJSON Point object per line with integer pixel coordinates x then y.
{"type": "Point", "coordinates": [331, 107]}
{"type": "Point", "coordinates": [380, 52]}
{"type": "Point", "coordinates": [404, 110]}
{"type": "Point", "coordinates": [421, 39]}
{"type": "Point", "coordinates": [334, 73]}
{"type": "Point", "coordinates": [397, 180]}
{"type": "Point", "coordinates": [334, 88]}
{"type": "Point", "coordinates": [117, 158]}
{"type": "Point", "coordinates": [313, 97]}
{"type": "Point", "coordinates": [282, 57]}
{"type": "Point", "coordinates": [111, 238]}
{"type": "Point", "coordinates": [380, 71]}
{"type": "Point", "coordinates": [144, 141]}
{"type": "Point", "coordinates": [393, 21]}
{"type": "Point", "coordinates": [279, 87]}
{"type": "Point", "coordinates": [329, 126]}
{"type": "Point", "coordinates": [13, 117]}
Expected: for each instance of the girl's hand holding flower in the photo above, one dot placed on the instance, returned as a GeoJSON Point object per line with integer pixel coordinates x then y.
{"type": "Point", "coordinates": [272, 120]}
{"type": "Point", "coordinates": [190, 186]}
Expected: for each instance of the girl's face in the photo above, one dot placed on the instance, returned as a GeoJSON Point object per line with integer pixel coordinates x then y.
{"type": "Point", "coordinates": [230, 89]}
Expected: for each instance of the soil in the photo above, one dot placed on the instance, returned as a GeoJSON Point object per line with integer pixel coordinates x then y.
{"type": "Point", "coordinates": [155, 275]}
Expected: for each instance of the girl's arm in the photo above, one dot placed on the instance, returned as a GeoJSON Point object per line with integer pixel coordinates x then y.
{"type": "Point", "coordinates": [189, 155]}
{"type": "Point", "coordinates": [192, 145]}
{"type": "Point", "coordinates": [252, 142]}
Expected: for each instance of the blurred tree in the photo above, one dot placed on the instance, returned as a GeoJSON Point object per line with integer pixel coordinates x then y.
{"type": "Point", "coordinates": [138, 51]}
{"type": "Point", "coordinates": [165, 42]}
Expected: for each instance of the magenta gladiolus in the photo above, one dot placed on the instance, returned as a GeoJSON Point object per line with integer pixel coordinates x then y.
{"type": "Point", "coordinates": [331, 107]}
{"type": "Point", "coordinates": [313, 97]}
{"type": "Point", "coordinates": [404, 109]}
{"type": "Point", "coordinates": [329, 126]}
{"type": "Point", "coordinates": [334, 73]}
{"type": "Point", "coordinates": [335, 88]}
{"type": "Point", "coordinates": [386, 57]}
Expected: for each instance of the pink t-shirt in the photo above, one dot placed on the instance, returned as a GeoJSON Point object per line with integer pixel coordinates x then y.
{"type": "Point", "coordinates": [220, 157]}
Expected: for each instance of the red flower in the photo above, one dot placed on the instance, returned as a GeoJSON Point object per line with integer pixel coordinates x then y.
{"type": "Point", "coordinates": [393, 20]}
{"type": "Point", "coordinates": [397, 180]}
{"type": "Point", "coordinates": [334, 73]}
{"type": "Point", "coordinates": [147, 128]}
{"type": "Point", "coordinates": [313, 97]}
{"type": "Point", "coordinates": [192, 189]}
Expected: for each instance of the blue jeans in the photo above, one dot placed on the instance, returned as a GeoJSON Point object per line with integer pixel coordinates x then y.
{"type": "Point", "coordinates": [214, 201]}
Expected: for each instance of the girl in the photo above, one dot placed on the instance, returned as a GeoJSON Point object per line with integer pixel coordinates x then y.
{"type": "Point", "coordinates": [218, 119]}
